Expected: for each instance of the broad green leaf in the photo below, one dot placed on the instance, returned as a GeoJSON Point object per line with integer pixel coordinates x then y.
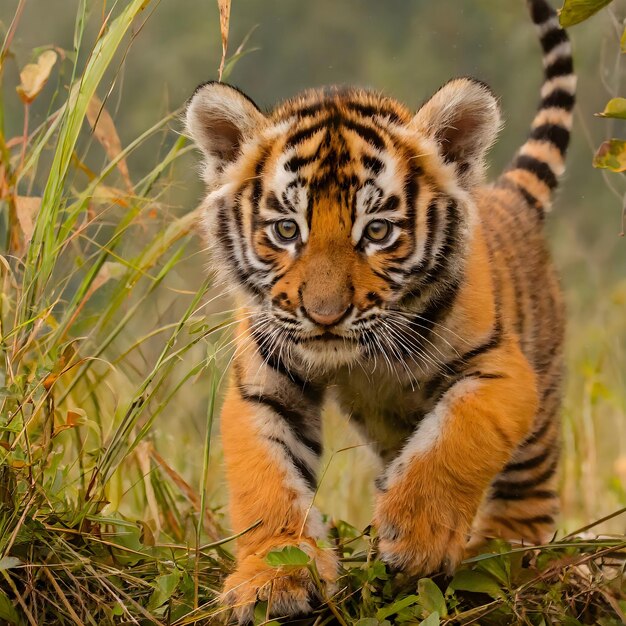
{"type": "Point", "coordinates": [611, 155]}
{"type": "Point", "coordinates": [497, 568]}
{"type": "Point", "coordinates": [476, 582]}
{"type": "Point", "coordinates": [431, 620]}
{"type": "Point", "coordinates": [289, 555]}
{"type": "Point", "coordinates": [164, 586]}
{"type": "Point", "coordinates": [396, 607]}
{"type": "Point", "coordinates": [576, 11]}
{"type": "Point", "coordinates": [367, 621]}
{"type": "Point", "coordinates": [616, 107]}
{"type": "Point", "coordinates": [431, 598]}
{"type": "Point", "coordinates": [7, 610]}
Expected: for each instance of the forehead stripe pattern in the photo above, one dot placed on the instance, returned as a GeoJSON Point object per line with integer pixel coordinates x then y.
{"type": "Point", "coordinates": [329, 161]}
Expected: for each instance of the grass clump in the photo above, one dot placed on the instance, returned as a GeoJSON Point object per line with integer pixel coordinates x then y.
{"type": "Point", "coordinates": [99, 333]}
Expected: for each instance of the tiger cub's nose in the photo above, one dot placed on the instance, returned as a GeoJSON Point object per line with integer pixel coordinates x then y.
{"type": "Point", "coordinates": [327, 317]}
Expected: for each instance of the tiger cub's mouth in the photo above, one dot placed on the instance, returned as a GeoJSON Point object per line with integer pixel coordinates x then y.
{"type": "Point", "coordinates": [328, 336]}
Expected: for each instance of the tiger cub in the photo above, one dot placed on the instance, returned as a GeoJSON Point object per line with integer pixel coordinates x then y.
{"type": "Point", "coordinates": [374, 264]}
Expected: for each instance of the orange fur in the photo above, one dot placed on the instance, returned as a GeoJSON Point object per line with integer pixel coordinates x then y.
{"type": "Point", "coordinates": [371, 259]}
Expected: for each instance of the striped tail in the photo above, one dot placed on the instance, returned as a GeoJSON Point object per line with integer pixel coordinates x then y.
{"type": "Point", "coordinates": [541, 160]}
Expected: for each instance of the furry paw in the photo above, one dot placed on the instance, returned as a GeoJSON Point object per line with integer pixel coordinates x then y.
{"type": "Point", "coordinates": [289, 591]}
{"type": "Point", "coordinates": [419, 540]}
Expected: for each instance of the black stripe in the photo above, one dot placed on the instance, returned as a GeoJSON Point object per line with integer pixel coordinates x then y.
{"type": "Point", "coordinates": [307, 388]}
{"type": "Point", "coordinates": [309, 110]}
{"type": "Point", "coordinates": [551, 39]}
{"type": "Point", "coordinates": [296, 162]}
{"type": "Point", "coordinates": [490, 344]}
{"type": "Point", "coordinates": [553, 133]}
{"type": "Point", "coordinates": [539, 494]}
{"type": "Point", "coordinates": [432, 221]}
{"type": "Point", "coordinates": [390, 204]}
{"type": "Point", "coordinates": [536, 519]}
{"type": "Point", "coordinates": [304, 133]}
{"type": "Point", "coordinates": [533, 203]}
{"type": "Point", "coordinates": [232, 242]}
{"type": "Point", "coordinates": [274, 204]}
{"type": "Point", "coordinates": [305, 471]}
{"type": "Point", "coordinates": [439, 306]}
{"type": "Point", "coordinates": [265, 240]}
{"type": "Point", "coordinates": [373, 110]}
{"type": "Point", "coordinates": [562, 66]}
{"type": "Point", "coordinates": [539, 168]}
{"type": "Point", "coordinates": [540, 11]}
{"type": "Point", "coordinates": [530, 463]}
{"type": "Point", "coordinates": [560, 99]}
{"type": "Point", "coordinates": [296, 420]}
{"type": "Point", "coordinates": [539, 433]}
{"type": "Point", "coordinates": [506, 522]}
{"type": "Point", "coordinates": [411, 191]}
{"type": "Point", "coordinates": [447, 253]}
{"type": "Point", "coordinates": [394, 284]}
{"type": "Point", "coordinates": [487, 376]}
{"type": "Point", "coordinates": [366, 133]}
{"type": "Point", "coordinates": [530, 483]}
{"type": "Point", "coordinates": [372, 163]}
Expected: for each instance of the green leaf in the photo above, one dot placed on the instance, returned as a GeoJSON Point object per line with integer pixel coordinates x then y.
{"type": "Point", "coordinates": [616, 107]}
{"type": "Point", "coordinates": [576, 11]}
{"type": "Point", "coordinates": [622, 41]}
{"type": "Point", "coordinates": [431, 620]}
{"type": "Point", "coordinates": [367, 621]}
{"type": "Point", "coordinates": [7, 610]}
{"type": "Point", "coordinates": [260, 615]}
{"type": "Point", "coordinates": [164, 587]}
{"type": "Point", "coordinates": [431, 598]}
{"type": "Point", "coordinates": [289, 555]}
{"type": "Point", "coordinates": [396, 607]}
{"type": "Point", "coordinates": [377, 569]}
{"type": "Point", "coordinates": [611, 155]}
{"type": "Point", "coordinates": [476, 582]}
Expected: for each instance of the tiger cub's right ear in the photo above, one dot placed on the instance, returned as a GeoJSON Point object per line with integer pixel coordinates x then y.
{"type": "Point", "coordinates": [219, 118]}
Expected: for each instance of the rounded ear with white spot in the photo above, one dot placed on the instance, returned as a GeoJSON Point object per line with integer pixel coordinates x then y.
{"type": "Point", "coordinates": [219, 118]}
{"type": "Point", "coordinates": [463, 117]}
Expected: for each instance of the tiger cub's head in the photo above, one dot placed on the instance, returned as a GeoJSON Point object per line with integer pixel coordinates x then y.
{"type": "Point", "coordinates": [340, 210]}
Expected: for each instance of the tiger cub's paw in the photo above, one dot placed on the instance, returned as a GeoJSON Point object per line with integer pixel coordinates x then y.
{"type": "Point", "coordinates": [419, 541]}
{"type": "Point", "coordinates": [289, 591]}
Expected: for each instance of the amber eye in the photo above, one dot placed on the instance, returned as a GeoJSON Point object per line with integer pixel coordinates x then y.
{"type": "Point", "coordinates": [378, 230]}
{"type": "Point", "coordinates": [286, 230]}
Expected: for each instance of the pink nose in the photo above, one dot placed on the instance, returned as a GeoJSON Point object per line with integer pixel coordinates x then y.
{"type": "Point", "coordinates": [327, 318]}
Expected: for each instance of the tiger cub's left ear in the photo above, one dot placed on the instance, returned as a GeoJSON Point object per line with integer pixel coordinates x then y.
{"type": "Point", "coordinates": [219, 118]}
{"type": "Point", "coordinates": [463, 117]}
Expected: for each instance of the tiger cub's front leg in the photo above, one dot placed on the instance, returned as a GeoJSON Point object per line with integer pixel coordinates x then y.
{"type": "Point", "coordinates": [271, 436]}
{"type": "Point", "coordinates": [429, 495]}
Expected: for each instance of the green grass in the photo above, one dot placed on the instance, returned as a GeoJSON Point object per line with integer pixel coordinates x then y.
{"type": "Point", "coordinates": [111, 364]}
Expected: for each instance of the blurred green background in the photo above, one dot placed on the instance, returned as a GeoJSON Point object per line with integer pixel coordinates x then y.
{"type": "Point", "coordinates": [406, 48]}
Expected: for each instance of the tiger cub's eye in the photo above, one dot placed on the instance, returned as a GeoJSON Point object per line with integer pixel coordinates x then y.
{"type": "Point", "coordinates": [378, 230]}
{"type": "Point", "coordinates": [286, 230]}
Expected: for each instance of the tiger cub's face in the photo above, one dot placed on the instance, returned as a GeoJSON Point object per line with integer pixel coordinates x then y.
{"type": "Point", "coordinates": [340, 211]}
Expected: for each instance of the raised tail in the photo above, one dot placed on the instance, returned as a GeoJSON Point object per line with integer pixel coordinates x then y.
{"type": "Point", "coordinates": [541, 160]}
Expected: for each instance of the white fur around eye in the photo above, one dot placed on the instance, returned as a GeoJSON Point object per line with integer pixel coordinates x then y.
{"type": "Point", "coordinates": [358, 233]}
{"type": "Point", "coordinates": [367, 197]}
{"type": "Point", "coordinates": [290, 246]}
{"type": "Point", "coordinates": [298, 197]}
